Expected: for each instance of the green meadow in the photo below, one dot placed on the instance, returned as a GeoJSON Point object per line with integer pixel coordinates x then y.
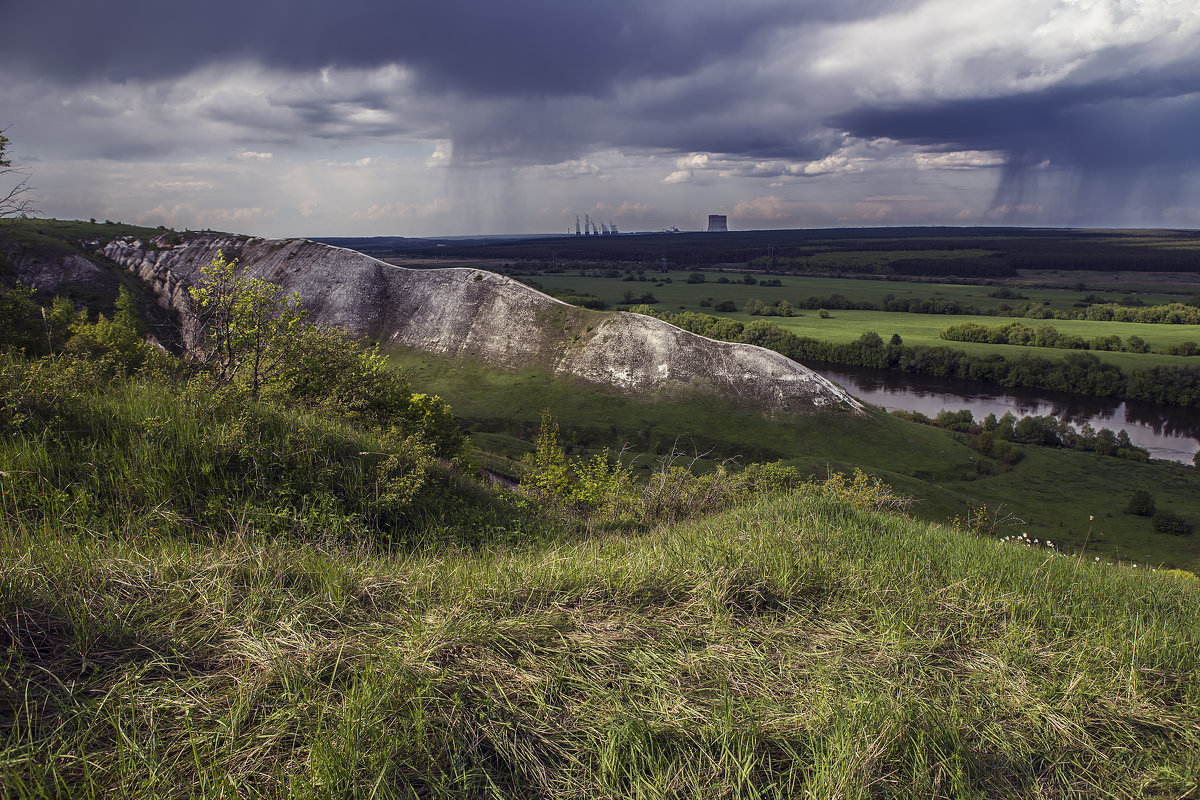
{"type": "Point", "coordinates": [1050, 493]}
{"type": "Point", "coordinates": [915, 329]}
{"type": "Point", "coordinates": [924, 329]}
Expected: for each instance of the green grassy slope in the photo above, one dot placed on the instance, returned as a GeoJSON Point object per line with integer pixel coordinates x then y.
{"type": "Point", "coordinates": [797, 647]}
{"type": "Point", "coordinates": [51, 239]}
{"type": "Point", "coordinates": [1051, 492]}
{"type": "Point", "coordinates": [511, 403]}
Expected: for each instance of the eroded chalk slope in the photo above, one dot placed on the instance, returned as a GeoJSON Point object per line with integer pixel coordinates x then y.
{"type": "Point", "coordinates": [470, 312]}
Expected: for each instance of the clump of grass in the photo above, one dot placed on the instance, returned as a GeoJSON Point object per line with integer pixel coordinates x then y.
{"type": "Point", "coordinates": [794, 646]}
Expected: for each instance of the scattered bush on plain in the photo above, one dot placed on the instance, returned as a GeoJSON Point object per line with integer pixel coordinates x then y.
{"type": "Point", "coordinates": [604, 487]}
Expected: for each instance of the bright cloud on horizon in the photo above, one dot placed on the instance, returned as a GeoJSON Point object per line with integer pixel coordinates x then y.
{"type": "Point", "coordinates": [384, 118]}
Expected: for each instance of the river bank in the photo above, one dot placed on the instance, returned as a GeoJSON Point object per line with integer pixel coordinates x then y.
{"type": "Point", "coordinates": [1168, 432]}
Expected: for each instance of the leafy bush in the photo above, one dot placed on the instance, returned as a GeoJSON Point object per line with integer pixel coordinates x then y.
{"type": "Point", "coordinates": [119, 344]}
{"type": "Point", "coordinates": [865, 491]}
{"type": "Point", "coordinates": [601, 485]}
{"type": "Point", "coordinates": [330, 438]}
{"type": "Point", "coordinates": [756, 307]}
{"type": "Point", "coordinates": [21, 328]}
{"type": "Point", "coordinates": [191, 454]}
{"type": "Point", "coordinates": [646, 298]}
{"type": "Point", "coordinates": [1141, 503]}
{"type": "Point", "coordinates": [47, 394]}
{"type": "Point", "coordinates": [1173, 524]}
{"type": "Point", "coordinates": [1181, 574]}
{"type": "Point", "coordinates": [251, 327]}
{"type": "Point", "coordinates": [334, 372]}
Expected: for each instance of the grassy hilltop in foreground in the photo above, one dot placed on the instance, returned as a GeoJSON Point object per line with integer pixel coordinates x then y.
{"type": "Point", "coordinates": [798, 647]}
{"type": "Point", "coordinates": [222, 605]}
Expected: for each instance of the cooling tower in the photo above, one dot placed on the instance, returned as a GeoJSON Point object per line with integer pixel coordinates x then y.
{"type": "Point", "coordinates": [716, 222]}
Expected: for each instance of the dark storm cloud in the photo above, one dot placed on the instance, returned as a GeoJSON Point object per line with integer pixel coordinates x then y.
{"type": "Point", "coordinates": [1103, 146]}
{"type": "Point", "coordinates": [765, 90]}
{"type": "Point", "coordinates": [520, 81]}
{"type": "Point", "coordinates": [1143, 120]}
{"type": "Point", "coordinates": [519, 47]}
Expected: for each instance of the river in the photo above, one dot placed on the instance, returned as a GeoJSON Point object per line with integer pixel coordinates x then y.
{"type": "Point", "coordinates": [1168, 432]}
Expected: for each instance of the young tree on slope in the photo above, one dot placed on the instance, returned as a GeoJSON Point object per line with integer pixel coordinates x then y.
{"type": "Point", "coordinates": [253, 327]}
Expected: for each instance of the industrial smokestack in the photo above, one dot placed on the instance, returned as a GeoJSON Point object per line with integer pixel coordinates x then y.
{"type": "Point", "coordinates": [576, 224]}
{"type": "Point", "coordinates": [716, 223]}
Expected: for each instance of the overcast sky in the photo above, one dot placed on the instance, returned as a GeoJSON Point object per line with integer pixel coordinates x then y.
{"type": "Point", "coordinates": [442, 117]}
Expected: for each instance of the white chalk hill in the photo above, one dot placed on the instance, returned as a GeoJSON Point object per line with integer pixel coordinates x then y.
{"type": "Point", "coordinates": [490, 317]}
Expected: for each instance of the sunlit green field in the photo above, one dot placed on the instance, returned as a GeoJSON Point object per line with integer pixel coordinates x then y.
{"type": "Point", "coordinates": [914, 329]}
{"type": "Point", "coordinates": [923, 329]}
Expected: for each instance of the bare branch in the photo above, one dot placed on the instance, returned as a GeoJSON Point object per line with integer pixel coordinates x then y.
{"type": "Point", "coordinates": [15, 202]}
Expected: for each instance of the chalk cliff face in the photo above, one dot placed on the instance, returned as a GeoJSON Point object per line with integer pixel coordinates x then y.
{"type": "Point", "coordinates": [51, 274]}
{"type": "Point", "coordinates": [470, 312]}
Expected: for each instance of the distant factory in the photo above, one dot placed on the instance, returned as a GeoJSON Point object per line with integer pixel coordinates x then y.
{"type": "Point", "coordinates": [717, 223]}
{"type": "Point", "coordinates": [592, 229]}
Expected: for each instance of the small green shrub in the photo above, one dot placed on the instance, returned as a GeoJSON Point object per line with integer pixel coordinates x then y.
{"type": "Point", "coordinates": [47, 394]}
{"type": "Point", "coordinates": [865, 491]}
{"type": "Point", "coordinates": [21, 328]}
{"type": "Point", "coordinates": [1173, 524]}
{"type": "Point", "coordinates": [602, 485]}
{"type": "Point", "coordinates": [1181, 574]}
{"type": "Point", "coordinates": [1141, 503]}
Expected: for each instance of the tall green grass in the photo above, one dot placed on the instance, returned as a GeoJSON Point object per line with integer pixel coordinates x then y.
{"type": "Point", "coordinates": [93, 451]}
{"type": "Point", "coordinates": [797, 647]}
